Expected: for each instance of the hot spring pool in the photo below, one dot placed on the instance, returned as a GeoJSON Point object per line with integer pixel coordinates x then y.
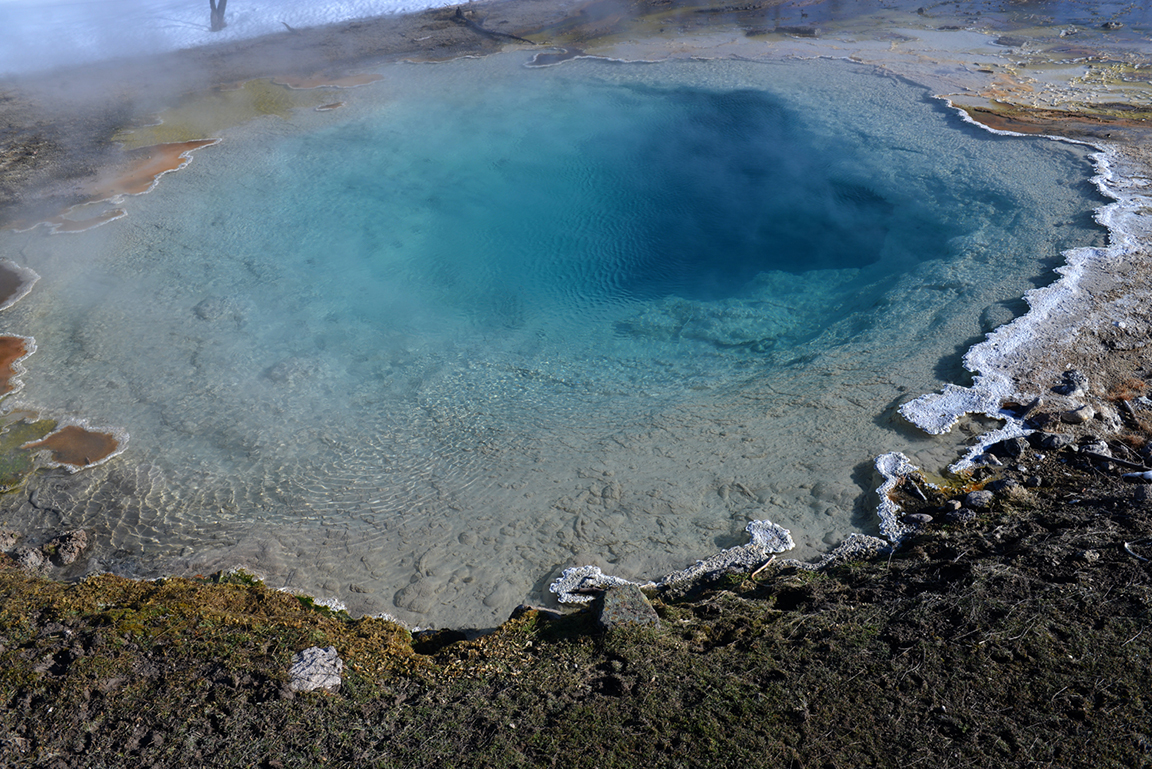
{"type": "Point", "coordinates": [487, 322]}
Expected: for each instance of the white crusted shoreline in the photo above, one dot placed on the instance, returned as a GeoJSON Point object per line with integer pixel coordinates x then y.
{"type": "Point", "coordinates": [1023, 359]}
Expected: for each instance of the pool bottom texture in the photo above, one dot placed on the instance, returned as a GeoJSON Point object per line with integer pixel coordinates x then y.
{"type": "Point", "coordinates": [488, 322]}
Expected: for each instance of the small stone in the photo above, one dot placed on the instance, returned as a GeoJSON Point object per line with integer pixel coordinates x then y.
{"type": "Point", "coordinates": [1088, 556]}
{"type": "Point", "coordinates": [1074, 384]}
{"type": "Point", "coordinates": [8, 539]}
{"type": "Point", "coordinates": [1033, 481]}
{"type": "Point", "coordinates": [952, 505]}
{"type": "Point", "coordinates": [1051, 441]}
{"type": "Point", "coordinates": [1003, 485]}
{"type": "Point", "coordinates": [29, 558]}
{"type": "Point", "coordinates": [1142, 493]}
{"type": "Point", "coordinates": [978, 499]}
{"type": "Point", "coordinates": [1078, 416]}
{"type": "Point", "coordinates": [624, 604]}
{"type": "Point", "coordinates": [1014, 447]}
{"type": "Point", "coordinates": [917, 519]}
{"type": "Point", "coordinates": [1112, 25]}
{"type": "Point", "coordinates": [963, 515]}
{"type": "Point", "coordinates": [1096, 446]}
{"type": "Point", "coordinates": [316, 668]}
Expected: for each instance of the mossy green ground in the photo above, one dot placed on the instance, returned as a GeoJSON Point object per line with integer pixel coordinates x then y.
{"type": "Point", "coordinates": [1021, 640]}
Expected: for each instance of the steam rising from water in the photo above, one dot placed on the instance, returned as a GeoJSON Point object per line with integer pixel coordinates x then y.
{"type": "Point", "coordinates": [42, 34]}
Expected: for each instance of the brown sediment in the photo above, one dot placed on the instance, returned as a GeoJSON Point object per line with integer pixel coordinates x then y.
{"type": "Point", "coordinates": [13, 349]}
{"type": "Point", "coordinates": [146, 166]}
{"type": "Point", "coordinates": [1049, 122]}
{"type": "Point", "coordinates": [15, 283]}
{"type": "Point", "coordinates": [77, 447]}
{"type": "Point", "coordinates": [140, 174]}
{"type": "Point", "coordinates": [322, 81]}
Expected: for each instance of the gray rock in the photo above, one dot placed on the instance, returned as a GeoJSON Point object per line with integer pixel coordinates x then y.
{"type": "Point", "coordinates": [1074, 384]}
{"type": "Point", "coordinates": [1096, 446]}
{"type": "Point", "coordinates": [978, 499]}
{"type": "Point", "coordinates": [316, 668]}
{"type": "Point", "coordinates": [952, 505]}
{"type": "Point", "coordinates": [1142, 494]}
{"type": "Point", "coordinates": [1052, 441]}
{"type": "Point", "coordinates": [66, 548]}
{"type": "Point", "coordinates": [917, 519]}
{"type": "Point", "coordinates": [1079, 415]}
{"type": "Point", "coordinates": [1013, 447]}
{"type": "Point", "coordinates": [626, 604]}
{"type": "Point", "coordinates": [1109, 418]}
{"type": "Point", "coordinates": [29, 558]}
{"type": "Point", "coordinates": [1003, 485]}
{"type": "Point", "coordinates": [8, 539]}
{"type": "Point", "coordinates": [963, 516]}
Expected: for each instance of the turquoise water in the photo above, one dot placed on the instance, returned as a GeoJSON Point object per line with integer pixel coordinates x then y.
{"type": "Point", "coordinates": [487, 322]}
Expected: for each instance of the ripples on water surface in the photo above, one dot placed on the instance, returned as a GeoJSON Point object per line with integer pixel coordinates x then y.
{"type": "Point", "coordinates": [489, 321]}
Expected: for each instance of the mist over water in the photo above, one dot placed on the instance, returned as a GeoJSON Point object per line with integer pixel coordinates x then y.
{"type": "Point", "coordinates": [44, 34]}
{"type": "Point", "coordinates": [488, 322]}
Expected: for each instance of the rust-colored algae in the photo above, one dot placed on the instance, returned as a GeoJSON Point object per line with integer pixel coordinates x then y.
{"type": "Point", "coordinates": [13, 349]}
{"type": "Point", "coordinates": [146, 166]}
{"type": "Point", "coordinates": [141, 172]}
{"type": "Point", "coordinates": [77, 447]}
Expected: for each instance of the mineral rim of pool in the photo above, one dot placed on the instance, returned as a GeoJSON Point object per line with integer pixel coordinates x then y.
{"type": "Point", "coordinates": [491, 321]}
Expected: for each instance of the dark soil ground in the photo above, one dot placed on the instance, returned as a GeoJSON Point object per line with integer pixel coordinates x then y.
{"type": "Point", "coordinates": [1018, 639]}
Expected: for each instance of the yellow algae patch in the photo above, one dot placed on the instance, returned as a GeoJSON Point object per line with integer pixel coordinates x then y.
{"type": "Point", "coordinates": [205, 114]}
{"type": "Point", "coordinates": [17, 464]}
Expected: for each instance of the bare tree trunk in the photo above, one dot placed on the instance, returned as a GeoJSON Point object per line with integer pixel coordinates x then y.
{"type": "Point", "coordinates": [218, 7]}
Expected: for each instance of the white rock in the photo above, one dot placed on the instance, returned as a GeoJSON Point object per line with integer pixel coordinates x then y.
{"type": "Point", "coordinates": [1078, 416]}
{"type": "Point", "coordinates": [316, 668]}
